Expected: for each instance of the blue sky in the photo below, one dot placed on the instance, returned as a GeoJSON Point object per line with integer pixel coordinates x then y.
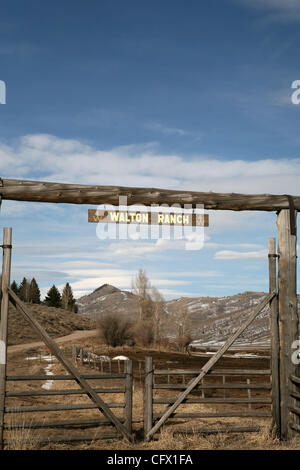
{"type": "Point", "coordinates": [172, 94]}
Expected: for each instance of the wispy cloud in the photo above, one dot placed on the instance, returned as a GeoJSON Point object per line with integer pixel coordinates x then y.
{"type": "Point", "coordinates": [168, 130]}
{"type": "Point", "coordinates": [241, 255]}
{"type": "Point", "coordinates": [277, 10]}
{"type": "Point", "coordinates": [21, 50]}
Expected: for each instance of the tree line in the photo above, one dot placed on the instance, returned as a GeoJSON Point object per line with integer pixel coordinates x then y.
{"type": "Point", "coordinates": [29, 291]}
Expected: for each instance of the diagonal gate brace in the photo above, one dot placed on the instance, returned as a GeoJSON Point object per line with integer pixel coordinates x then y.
{"type": "Point", "coordinates": [68, 365]}
{"type": "Point", "coordinates": [208, 366]}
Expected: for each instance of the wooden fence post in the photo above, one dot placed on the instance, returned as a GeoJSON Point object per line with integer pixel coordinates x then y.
{"type": "Point", "coordinates": [74, 353]}
{"type": "Point", "coordinates": [5, 283]}
{"type": "Point", "coordinates": [148, 395]}
{"type": "Point", "coordinates": [249, 394]}
{"type": "Point", "coordinates": [274, 338]}
{"type": "Point", "coordinates": [287, 312]}
{"type": "Point", "coordinates": [128, 395]}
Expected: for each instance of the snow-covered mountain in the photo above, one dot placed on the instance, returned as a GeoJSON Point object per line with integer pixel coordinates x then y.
{"type": "Point", "coordinates": [213, 319]}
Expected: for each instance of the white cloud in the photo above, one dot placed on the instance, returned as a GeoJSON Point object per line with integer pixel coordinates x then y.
{"type": "Point", "coordinates": [236, 255]}
{"type": "Point", "coordinates": [280, 10]}
{"type": "Point", "coordinates": [168, 130]}
{"type": "Point", "coordinates": [118, 278]}
{"type": "Point", "coordinates": [68, 160]}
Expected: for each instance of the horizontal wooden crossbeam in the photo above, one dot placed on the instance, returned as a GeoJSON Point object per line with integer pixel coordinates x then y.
{"type": "Point", "coordinates": [40, 191]}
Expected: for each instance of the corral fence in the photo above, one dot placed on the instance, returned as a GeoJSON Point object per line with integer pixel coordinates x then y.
{"type": "Point", "coordinates": [283, 273]}
{"type": "Point", "coordinates": [96, 361]}
{"type": "Point", "coordinates": [295, 400]}
{"type": "Point", "coordinates": [17, 413]}
{"type": "Point", "coordinates": [122, 424]}
{"type": "Point", "coordinates": [235, 393]}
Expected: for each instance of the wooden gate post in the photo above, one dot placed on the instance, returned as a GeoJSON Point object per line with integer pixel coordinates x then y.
{"type": "Point", "coordinates": [287, 311]}
{"type": "Point", "coordinates": [274, 333]}
{"type": "Point", "coordinates": [5, 283]}
{"type": "Point", "coordinates": [128, 395]}
{"type": "Point", "coordinates": [148, 395]}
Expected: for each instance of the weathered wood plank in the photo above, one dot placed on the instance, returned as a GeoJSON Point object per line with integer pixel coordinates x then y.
{"type": "Point", "coordinates": [67, 391]}
{"type": "Point", "coordinates": [39, 191]}
{"type": "Point", "coordinates": [66, 423]}
{"type": "Point", "coordinates": [274, 337]}
{"type": "Point", "coordinates": [295, 379]}
{"type": "Point", "coordinates": [5, 282]}
{"type": "Point", "coordinates": [294, 426]}
{"type": "Point", "coordinates": [74, 438]}
{"type": "Point", "coordinates": [213, 371]}
{"type": "Point", "coordinates": [221, 414]}
{"type": "Point", "coordinates": [214, 386]}
{"type": "Point", "coordinates": [217, 430]}
{"type": "Point", "coordinates": [78, 406]}
{"type": "Point", "coordinates": [295, 410]}
{"type": "Point", "coordinates": [128, 395]}
{"type": "Point", "coordinates": [148, 394]}
{"type": "Point", "coordinates": [17, 378]}
{"type": "Point", "coordinates": [287, 313]}
{"type": "Point", "coordinates": [265, 401]}
{"type": "Point", "coordinates": [295, 394]}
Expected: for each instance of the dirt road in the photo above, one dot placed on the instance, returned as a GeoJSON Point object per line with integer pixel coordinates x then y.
{"type": "Point", "coordinates": [75, 336]}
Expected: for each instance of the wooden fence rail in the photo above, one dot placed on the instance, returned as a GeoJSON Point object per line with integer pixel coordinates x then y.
{"type": "Point", "coordinates": [227, 382]}
{"type": "Point", "coordinates": [126, 405]}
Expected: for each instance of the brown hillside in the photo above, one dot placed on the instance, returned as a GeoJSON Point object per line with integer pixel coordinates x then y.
{"type": "Point", "coordinates": [56, 321]}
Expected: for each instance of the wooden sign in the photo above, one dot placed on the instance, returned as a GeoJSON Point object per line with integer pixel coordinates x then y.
{"type": "Point", "coordinates": [148, 218]}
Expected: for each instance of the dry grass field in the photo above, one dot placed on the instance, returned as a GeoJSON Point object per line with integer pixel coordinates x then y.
{"type": "Point", "coordinates": [27, 356]}
{"type": "Point", "coordinates": [35, 361]}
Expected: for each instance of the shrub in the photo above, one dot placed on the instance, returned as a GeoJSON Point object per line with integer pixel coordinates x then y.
{"type": "Point", "coordinates": [144, 333]}
{"type": "Point", "coordinates": [115, 330]}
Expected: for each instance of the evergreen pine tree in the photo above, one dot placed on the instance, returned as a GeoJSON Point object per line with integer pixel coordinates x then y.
{"type": "Point", "coordinates": [67, 299]}
{"type": "Point", "coordinates": [53, 297]}
{"type": "Point", "coordinates": [34, 292]}
{"type": "Point", "coordinates": [14, 287]}
{"type": "Point", "coordinates": [24, 290]}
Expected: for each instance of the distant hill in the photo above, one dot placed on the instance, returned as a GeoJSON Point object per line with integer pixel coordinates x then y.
{"type": "Point", "coordinates": [107, 298]}
{"type": "Point", "coordinates": [56, 321]}
{"type": "Point", "coordinates": [214, 319]}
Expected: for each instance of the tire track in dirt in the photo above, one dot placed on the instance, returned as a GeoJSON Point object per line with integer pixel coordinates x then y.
{"type": "Point", "coordinates": [76, 335]}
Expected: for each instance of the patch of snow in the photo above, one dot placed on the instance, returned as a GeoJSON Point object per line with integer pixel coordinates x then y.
{"type": "Point", "coordinates": [104, 358]}
{"type": "Point", "coordinates": [120, 358]}
{"type": "Point", "coordinates": [48, 384]}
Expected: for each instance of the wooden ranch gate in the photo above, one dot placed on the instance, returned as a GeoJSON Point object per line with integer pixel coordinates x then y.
{"type": "Point", "coordinates": [228, 384]}
{"type": "Point", "coordinates": [123, 425]}
{"type": "Point", "coordinates": [197, 383]}
{"type": "Point", "coordinates": [282, 297]}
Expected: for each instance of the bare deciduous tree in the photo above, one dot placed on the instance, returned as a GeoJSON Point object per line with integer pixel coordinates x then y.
{"type": "Point", "coordinates": [141, 287]}
{"type": "Point", "coordinates": [181, 319]}
{"type": "Point", "coordinates": [159, 319]}
{"type": "Point", "coordinates": [150, 310]}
